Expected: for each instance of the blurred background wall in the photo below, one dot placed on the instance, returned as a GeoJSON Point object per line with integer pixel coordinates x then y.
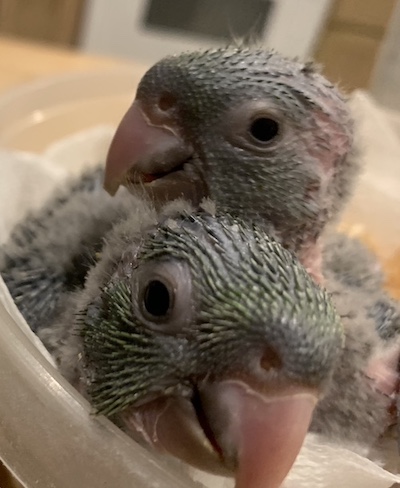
{"type": "Point", "coordinates": [357, 41]}
{"type": "Point", "coordinates": [385, 82]}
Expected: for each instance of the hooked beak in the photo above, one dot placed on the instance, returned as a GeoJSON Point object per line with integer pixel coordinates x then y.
{"type": "Point", "coordinates": [150, 154]}
{"type": "Point", "coordinates": [230, 429]}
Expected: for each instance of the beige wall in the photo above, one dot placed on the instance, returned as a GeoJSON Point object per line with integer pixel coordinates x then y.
{"type": "Point", "coordinates": [385, 84]}
{"type": "Point", "coordinates": [352, 39]}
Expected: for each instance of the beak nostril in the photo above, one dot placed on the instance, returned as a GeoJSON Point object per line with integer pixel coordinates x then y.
{"type": "Point", "coordinates": [166, 102]}
{"type": "Point", "coordinates": [270, 359]}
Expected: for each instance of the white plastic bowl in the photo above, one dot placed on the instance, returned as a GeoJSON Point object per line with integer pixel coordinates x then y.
{"type": "Point", "coordinates": [36, 115]}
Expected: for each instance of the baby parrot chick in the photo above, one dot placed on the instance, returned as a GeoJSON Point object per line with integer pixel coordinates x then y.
{"type": "Point", "coordinates": [268, 139]}
{"type": "Point", "coordinates": [198, 334]}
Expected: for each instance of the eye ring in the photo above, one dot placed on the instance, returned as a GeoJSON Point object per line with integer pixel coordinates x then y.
{"type": "Point", "coordinates": [255, 126]}
{"type": "Point", "coordinates": [156, 300]}
{"type": "Point", "coordinates": [162, 295]}
{"type": "Point", "coordinates": [264, 129]}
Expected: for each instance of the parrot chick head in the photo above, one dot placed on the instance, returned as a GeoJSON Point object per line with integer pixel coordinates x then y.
{"type": "Point", "coordinates": [208, 340]}
{"type": "Point", "coordinates": [265, 137]}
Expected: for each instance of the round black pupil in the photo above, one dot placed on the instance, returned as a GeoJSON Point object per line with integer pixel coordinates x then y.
{"type": "Point", "coordinates": [156, 298]}
{"type": "Point", "coordinates": [264, 129]}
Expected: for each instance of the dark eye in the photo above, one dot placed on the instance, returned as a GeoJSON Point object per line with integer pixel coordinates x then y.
{"type": "Point", "coordinates": [161, 295]}
{"type": "Point", "coordinates": [166, 102]}
{"type": "Point", "coordinates": [264, 129]}
{"type": "Point", "coordinates": [255, 126]}
{"type": "Point", "coordinates": [157, 299]}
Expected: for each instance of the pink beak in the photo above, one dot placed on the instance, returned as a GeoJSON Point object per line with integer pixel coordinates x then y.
{"type": "Point", "coordinates": [142, 151]}
{"type": "Point", "coordinates": [255, 435]}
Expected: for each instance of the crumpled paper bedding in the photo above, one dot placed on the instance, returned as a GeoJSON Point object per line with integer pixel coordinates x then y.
{"type": "Point", "coordinates": [27, 181]}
